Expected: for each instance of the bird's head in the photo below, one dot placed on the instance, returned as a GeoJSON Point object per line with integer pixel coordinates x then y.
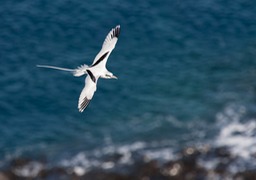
{"type": "Point", "coordinates": [110, 75]}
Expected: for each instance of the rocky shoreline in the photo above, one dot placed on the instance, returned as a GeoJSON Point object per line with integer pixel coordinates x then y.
{"type": "Point", "coordinates": [190, 164]}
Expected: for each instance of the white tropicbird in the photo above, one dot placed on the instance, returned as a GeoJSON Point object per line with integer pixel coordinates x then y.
{"type": "Point", "coordinates": [95, 71]}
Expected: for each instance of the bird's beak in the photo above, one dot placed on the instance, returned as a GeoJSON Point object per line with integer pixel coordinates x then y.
{"type": "Point", "coordinates": [114, 77]}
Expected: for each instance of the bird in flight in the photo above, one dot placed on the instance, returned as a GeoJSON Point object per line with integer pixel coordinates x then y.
{"type": "Point", "coordinates": [95, 71]}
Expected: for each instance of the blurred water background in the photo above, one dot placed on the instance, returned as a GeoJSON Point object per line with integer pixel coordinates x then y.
{"type": "Point", "coordinates": [186, 74]}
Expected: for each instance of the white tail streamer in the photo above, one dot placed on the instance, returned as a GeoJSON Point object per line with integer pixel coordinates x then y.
{"type": "Point", "coordinates": [79, 71]}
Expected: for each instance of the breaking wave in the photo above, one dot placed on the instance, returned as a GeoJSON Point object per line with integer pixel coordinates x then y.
{"type": "Point", "coordinates": [235, 133]}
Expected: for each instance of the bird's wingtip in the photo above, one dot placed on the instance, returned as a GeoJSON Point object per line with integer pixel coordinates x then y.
{"type": "Point", "coordinates": [80, 109]}
{"type": "Point", "coordinates": [83, 104]}
{"type": "Point", "coordinates": [116, 31]}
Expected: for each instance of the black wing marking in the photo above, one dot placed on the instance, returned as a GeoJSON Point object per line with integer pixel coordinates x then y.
{"type": "Point", "coordinates": [84, 104]}
{"type": "Point", "coordinates": [116, 32]}
{"type": "Point", "coordinates": [91, 76]}
{"type": "Point", "coordinates": [100, 59]}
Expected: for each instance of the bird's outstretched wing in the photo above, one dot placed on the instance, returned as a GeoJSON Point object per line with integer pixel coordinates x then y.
{"type": "Point", "coordinates": [107, 46]}
{"type": "Point", "coordinates": [87, 93]}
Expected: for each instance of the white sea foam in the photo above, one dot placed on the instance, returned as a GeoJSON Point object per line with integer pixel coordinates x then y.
{"type": "Point", "coordinates": [79, 170]}
{"type": "Point", "coordinates": [164, 154]}
{"type": "Point", "coordinates": [84, 161]}
{"type": "Point", "coordinates": [239, 136]}
{"type": "Point", "coordinates": [29, 170]}
{"type": "Point", "coordinates": [80, 163]}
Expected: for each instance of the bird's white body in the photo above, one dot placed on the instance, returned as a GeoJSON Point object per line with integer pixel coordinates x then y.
{"type": "Point", "coordinates": [95, 71]}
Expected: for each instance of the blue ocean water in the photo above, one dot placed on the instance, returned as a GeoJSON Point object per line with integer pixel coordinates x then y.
{"type": "Point", "coordinates": [186, 74]}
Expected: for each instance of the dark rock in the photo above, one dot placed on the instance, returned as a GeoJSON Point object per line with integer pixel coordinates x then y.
{"type": "Point", "coordinates": [246, 175]}
{"type": "Point", "coordinates": [113, 158]}
{"type": "Point", "coordinates": [183, 169]}
{"type": "Point", "coordinates": [54, 173]}
{"type": "Point", "coordinates": [189, 157]}
{"type": "Point", "coordinates": [7, 175]}
{"type": "Point", "coordinates": [191, 152]}
{"type": "Point", "coordinates": [147, 171]}
{"type": "Point", "coordinates": [101, 175]}
{"type": "Point", "coordinates": [173, 169]}
{"type": "Point", "coordinates": [18, 162]}
{"type": "Point", "coordinates": [222, 152]}
{"type": "Point", "coordinates": [221, 168]}
{"type": "Point", "coordinates": [3, 176]}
